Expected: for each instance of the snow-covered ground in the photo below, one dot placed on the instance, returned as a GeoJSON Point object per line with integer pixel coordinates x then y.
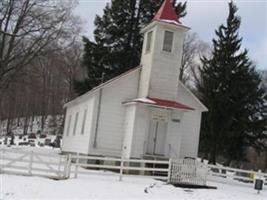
{"type": "Point", "coordinates": [105, 185]}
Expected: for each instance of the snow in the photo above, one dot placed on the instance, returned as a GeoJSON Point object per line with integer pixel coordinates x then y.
{"type": "Point", "coordinates": [37, 142]}
{"type": "Point", "coordinates": [106, 185]}
{"type": "Point", "coordinates": [170, 21]}
{"type": "Point", "coordinates": [142, 100]}
{"type": "Point", "coordinates": [44, 150]}
{"type": "Point", "coordinates": [145, 100]}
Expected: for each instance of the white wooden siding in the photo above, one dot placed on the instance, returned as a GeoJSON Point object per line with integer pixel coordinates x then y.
{"type": "Point", "coordinates": [190, 130]}
{"type": "Point", "coordinates": [112, 113]}
{"type": "Point", "coordinates": [140, 137]}
{"type": "Point", "coordinates": [146, 66]}
{"type": "Point", "coordinates": [68, 121]}
{"type": "Point", "coordinates": [174, 135]}
{"type": "Point", "coordinates": [78, 142]}
{"type": "Point", "coordinates": [160, 69]}
{"type": "Point", "coordinates": [129, 129]}
{"type": "Point", "coordinates": [190, 123]}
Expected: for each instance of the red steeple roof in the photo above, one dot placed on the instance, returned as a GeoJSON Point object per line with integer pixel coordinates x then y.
{"type": "Point", "coordinates": [167, 13]}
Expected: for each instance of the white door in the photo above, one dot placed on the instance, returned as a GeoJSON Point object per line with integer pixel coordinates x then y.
{"type": "Point", "coordinates": [160, 138]}
{"type": "Point", "coordinates": [151, 137]}
{"type": "Point", "coordinates": [157, 137]}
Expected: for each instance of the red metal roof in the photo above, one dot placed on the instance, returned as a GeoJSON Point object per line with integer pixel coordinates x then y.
{"type": "Point", "coordinates": [171, 104]}
{"type": "Point", "coordinates": [167, 13]}
{"type": "Point", "coordinates": [161, 103]}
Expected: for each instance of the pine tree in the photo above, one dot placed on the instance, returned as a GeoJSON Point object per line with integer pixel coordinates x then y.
{"type": "Point", "coordinates": [117, 39]}
{"type": "Point", "coordinates": [229, 87]}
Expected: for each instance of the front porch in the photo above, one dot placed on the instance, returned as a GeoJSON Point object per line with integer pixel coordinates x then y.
{"type": "Point", "coordinates": [152, 131]}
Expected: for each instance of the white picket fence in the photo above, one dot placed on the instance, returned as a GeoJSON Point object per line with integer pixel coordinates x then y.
{"type": "Point", "coordinates": [183, 171]}
{"type": "Point", "coordinates": [158, 169]}
{"type": "Point", "coordinates": [235, 174]}
{"type": "Point", "coordinates": [177, 171]}
{"type": "Point", "coordinates": [33, 163]}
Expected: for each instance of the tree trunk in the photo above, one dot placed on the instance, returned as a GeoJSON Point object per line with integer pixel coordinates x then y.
{"type": "Point", "coordinates": [213, 148]}
{"type": "Point", "coordinates": [228, 162]}
{"type": "Point", "coordinates": [8, 124]}
{"type": "Point", "coordinates": [212, 157]}
{"type": "Point", "coordinates": [32, 120]}
{"type": "Point", "coordinates": [18, 121]}
{"type": "Point", "coordinates": [25, 127]}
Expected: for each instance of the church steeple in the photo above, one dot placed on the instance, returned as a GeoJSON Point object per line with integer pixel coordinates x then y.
{"type": "Point", "coordinates": [167, 13]}
{"type": "Point", "coordinates": [162, 54]}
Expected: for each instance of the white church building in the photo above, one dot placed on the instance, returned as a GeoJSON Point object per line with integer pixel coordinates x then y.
{"type": "Point", "coordinates": [145, 111]}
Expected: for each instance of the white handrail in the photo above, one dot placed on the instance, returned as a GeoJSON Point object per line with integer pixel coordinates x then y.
{"type": "Point", "coordinates": [83, 162]}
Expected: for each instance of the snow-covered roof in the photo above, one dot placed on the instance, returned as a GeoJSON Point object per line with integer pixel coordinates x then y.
{"type": "Point", "coordinates": [141, 100]}
{"type": "Point", "coordinates": [95, 89]}
{"type": "Point", "coordinates": [160, 103]}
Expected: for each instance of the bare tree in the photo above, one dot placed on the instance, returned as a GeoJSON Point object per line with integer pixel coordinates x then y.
{"type": "Point", "coordinates": [27, 27]}
{"type": "Point", "coordinates": [33, 57]}
{"type": "Point", "coordinates": [71, 67]}
{"type": "Point", "coordinates": [193, 50]}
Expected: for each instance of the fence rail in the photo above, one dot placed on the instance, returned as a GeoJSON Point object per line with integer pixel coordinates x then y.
{"type": "Point", "coordinates": [33, 163]}
{"type": "Point", "coordinates": [178, 171]}
{"type": "Point", "coordinates": [146, 168]}
{"type": "Point", "coordinates": [234, 173]}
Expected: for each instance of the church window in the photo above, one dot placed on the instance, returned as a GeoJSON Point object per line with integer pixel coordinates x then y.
{"type": "Point", "coordinates": [168, 40]}
{"type": "Point", "coordinates": [75, 122]}
{"type": "Point", "coordinates": [148, 41]}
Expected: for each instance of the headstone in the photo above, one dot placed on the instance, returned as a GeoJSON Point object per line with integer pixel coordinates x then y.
{"type": "Point", "coordinates": [258, 182]}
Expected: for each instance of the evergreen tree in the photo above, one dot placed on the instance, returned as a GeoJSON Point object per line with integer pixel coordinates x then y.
{"type": "Point", "coordinates": [229, 87]}
{"type": "Point", "coordinates": [117, 40]}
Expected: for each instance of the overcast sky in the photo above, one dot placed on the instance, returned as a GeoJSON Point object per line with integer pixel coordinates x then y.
{"type": "Point", "coordinates": [204, 16]}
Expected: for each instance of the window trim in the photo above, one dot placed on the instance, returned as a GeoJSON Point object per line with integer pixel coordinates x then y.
{"type": "Point", "coordinates": [75, 123]}
{"type": "Point", "coordinates": [164, 41]}
{"type": "Point", "coordinates": [84, 120]}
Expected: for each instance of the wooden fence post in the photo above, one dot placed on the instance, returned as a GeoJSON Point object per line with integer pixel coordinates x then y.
{"type": "Point", "coordinates": [59, 166]}
{"type": "Point", "coordinates": [65, 166]}
{"type": "Point", "coordinates": [68, 167]}
{"type": "Point", "coordinates": [121, 169]}
{"type": "Point", "coordinates": [3, 158]}
{"type": "Point", "coordinates": [77, 165]}
{"type": "Point", "coordinates": [31, 162]}
{"type": "Point", "coordinates": [169, 171]}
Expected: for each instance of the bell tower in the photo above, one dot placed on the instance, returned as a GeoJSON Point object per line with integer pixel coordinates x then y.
{"type": "Point", "coordinates": [162, 54]}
